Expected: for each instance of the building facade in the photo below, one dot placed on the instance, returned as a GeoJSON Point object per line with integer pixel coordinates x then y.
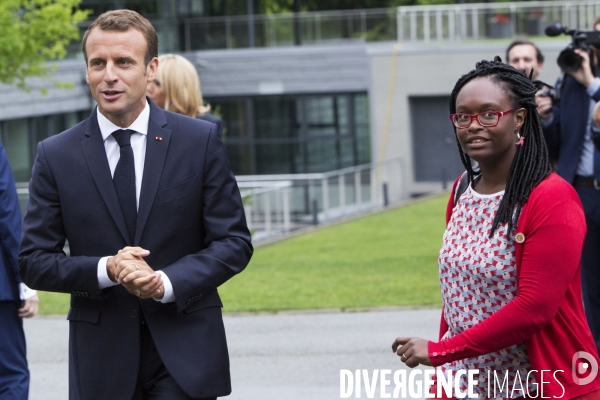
{"type": "Point", "coordinates": [294, 109]}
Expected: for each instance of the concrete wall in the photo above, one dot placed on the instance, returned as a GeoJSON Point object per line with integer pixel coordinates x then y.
{"type": "Point", "coordinates": [426, 70]}
{"type": "Point", "coordinates": [16, 103]}
{"type": "Point", "coordinates": [305, 69]}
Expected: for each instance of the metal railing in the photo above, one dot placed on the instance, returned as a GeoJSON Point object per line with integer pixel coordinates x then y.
{"type": "Point", "coordinates": [277, 204]}
{"type": "Point", "coordinates": [491, 20]}
{"type": "Point", "coordinates": [407, 23]}
{"type": "Point", "coordinates": [270, 30]}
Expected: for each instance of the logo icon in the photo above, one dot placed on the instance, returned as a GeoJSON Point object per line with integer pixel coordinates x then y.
{"type": "Point", "coordinates": [579, 367]}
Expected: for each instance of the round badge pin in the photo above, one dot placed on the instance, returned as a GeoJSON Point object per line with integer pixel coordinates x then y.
{"type": "Point", "coordinates": [519, 238]}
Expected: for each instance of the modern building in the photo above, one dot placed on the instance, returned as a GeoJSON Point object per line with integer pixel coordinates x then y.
{"type": "Point", "coordinates": [361, 86]}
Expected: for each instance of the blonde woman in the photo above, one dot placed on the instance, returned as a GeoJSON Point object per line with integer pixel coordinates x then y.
{"type": "Point", "coordinates": [176, 88]}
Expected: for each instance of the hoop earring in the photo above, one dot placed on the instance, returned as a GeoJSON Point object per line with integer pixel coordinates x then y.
{"type": "Point", "coordinates": [521, 139]}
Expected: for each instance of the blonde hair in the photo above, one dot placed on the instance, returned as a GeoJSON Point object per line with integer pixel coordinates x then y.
{"type": "Point", "coordinates": [180, 83]}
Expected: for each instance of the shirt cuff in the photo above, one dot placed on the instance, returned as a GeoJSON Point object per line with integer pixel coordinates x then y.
{"type": "Point", "coordinates": [169, 295]}
{"type": "Point", "coordinates": [103, 279]}
{"type": "Point", "coordinates": [594, 86]}
{"type": "Point", "coordinates": [25, 293]}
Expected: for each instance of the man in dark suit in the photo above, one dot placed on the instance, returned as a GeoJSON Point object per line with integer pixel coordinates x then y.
{"type": "Point", "coordinates": [17, 301]}
{"type": "Point", "coordinates": [155, 224]}
{"type": "Point", "coordinates": [568, 130]}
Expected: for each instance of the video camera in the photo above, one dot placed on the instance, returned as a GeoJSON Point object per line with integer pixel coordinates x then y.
{"type": "Point", "coordinates": [568, 60]}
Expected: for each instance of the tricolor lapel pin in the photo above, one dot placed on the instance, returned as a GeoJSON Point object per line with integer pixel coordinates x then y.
{"type": "Point", "coordinates": [159, 138]}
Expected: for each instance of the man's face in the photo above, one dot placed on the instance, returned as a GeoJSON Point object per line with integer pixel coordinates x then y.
{"type": "Point", "coordinates": [523, 57]}
{"type": "Point", "coordinates": [117, 74]}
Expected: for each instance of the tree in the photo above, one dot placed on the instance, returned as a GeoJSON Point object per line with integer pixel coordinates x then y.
{"type": "Point", "coordinates": [33, 32]}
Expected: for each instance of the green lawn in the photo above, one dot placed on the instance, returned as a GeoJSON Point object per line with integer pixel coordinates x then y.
{"type": "Point", "coordinates": [385, 259]}
{"type": "Point", "coordinates": [53, 303]}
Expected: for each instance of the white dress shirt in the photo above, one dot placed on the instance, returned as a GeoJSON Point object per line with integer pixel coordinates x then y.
{"type": "Point", "coordinates": [586, 161]}
{"type": "Point", "coordinates": [113, 153]}
{"type": "Point", "coordinates": [25, 293]}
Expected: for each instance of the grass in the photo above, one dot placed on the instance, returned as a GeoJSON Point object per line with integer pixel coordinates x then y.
{"type": "Point", "coordinates": [53, 303]}
{"type": "Point", "coordinates": [385, 259]}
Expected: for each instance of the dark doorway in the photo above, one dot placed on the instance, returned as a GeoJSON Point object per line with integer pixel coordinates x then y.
{"type": "Point", "coordinates": [435, 151]}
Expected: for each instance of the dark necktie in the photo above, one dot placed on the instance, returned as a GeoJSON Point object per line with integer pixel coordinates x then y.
{"type": "Point", "coordinates": [124, 181]}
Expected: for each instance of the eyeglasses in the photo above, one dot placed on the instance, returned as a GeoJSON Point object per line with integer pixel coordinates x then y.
{"type": "Point", "coordinates": [487, 119]}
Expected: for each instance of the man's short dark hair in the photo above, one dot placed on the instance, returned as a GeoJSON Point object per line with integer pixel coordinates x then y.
{"type": "Point", "coordinates": [538, 54]}
{"type": "Point", "coordinates": [121, 21]}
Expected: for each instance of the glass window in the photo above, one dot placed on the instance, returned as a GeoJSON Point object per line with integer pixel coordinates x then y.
{"type": "Point", "coordinates": [275, 117]}
{"type": "Point", "coordinates": [190, 7]}
{"type": "Point", "coordinates": [346, 153]}
{"type": "Point", "coordinates": [71, 119]}
{"type": "Point", "coordinates": [277, 158]}
{"type": "Point", "coordinates": [234, 114]}
{"type": "Point", "coordinates": [342, 114]}
{"type": "Point", "coordinates": [147, 8]}
{"type": "Point", "coordinates": [240, 158]}
{"type": "Point", "coordinates": [39, 126]}
{"type": "Point", "coordinates": [56, 124]}
{"type": "Point", "coordinates": [15, 137]}
{"type": "Point", "coordinates": [322, 155]}
{"type": "Point", "coordinates": [327, 115]}
{"type": "Point", "coordinates": [361, 109]}
{"type": "Point", "coordinates": [295, 134]}
{"type": "Point", "coordinates": [363, 146]}
{"type": "Point", "coordinates": [361, 129]}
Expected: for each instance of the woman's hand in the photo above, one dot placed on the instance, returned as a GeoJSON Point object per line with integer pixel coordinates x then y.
{"type": "Point", "coordinates": [413, 351]}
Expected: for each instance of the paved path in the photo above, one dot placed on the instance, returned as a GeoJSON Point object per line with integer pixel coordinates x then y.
{"type": "Point", "coordinates": [292, 356]}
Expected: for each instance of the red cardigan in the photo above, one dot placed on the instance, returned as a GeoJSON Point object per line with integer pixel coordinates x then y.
{"type": "Point", "coordinates": [547, 312]}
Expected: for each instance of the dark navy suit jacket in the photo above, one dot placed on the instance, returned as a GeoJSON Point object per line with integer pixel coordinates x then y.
{"type": "Point", "coordinates": [566, 133]}
{"type": "Point", "coordinates": [10, 231]}
{"type": "Point", "coordinates": [190, 217]}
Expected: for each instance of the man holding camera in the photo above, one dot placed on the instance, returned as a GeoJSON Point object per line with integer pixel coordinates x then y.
{"type": "Point", "coordinates": [525, 55]}
{"type": "Point", "coordinates": [569, 130]}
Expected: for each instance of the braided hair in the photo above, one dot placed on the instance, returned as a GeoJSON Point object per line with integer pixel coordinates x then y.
{"type": "Point", "coordinates": [531, 163]}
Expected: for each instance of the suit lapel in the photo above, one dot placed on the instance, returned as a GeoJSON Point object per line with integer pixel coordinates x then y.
{"type": "Point", "coordinates": [157, 144]}
{"type": "Point", "coordinates": [95, 155]}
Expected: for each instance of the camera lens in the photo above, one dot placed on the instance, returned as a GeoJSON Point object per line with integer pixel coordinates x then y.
{"type": "Point", "coordinates": [568, 60]}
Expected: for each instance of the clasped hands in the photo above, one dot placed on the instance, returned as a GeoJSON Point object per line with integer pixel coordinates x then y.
{"type": "Point", "coordinates": [129, 269]}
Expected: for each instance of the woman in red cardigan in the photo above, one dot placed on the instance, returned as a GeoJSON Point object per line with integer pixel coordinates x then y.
{"type": "Point", "coordinates": [510, 259]}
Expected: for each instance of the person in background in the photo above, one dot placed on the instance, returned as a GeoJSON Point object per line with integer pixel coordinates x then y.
{"type": "Point", "coordinates": [569, 134]}
{"type": "Point", "coordinates": [524, 55]}
{"type": "Point", "coordinates": [511, 253]}
{"type": "Point", "coordinates": [17, 301]}
{"type": "Point", "coordinates": [177, 89]}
